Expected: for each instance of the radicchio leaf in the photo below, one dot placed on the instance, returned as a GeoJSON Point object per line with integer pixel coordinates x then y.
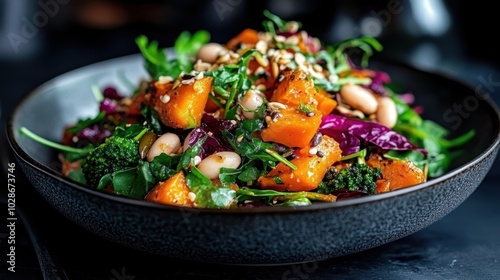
{"type": "Point", "coordinates": [95, 134]}
{"type": "Point", "coordinates": [109, 106]}
{"type": "Point", "coordinates": [211, 128]}
{"type": "Point", "coordinates": [112, 93]}
{"type": "Point", "coordinates": [379, 79]}
{"type": "Point", "coordinates": [374, 133]}
{"type": "Point", "coordinates": [347, 142]}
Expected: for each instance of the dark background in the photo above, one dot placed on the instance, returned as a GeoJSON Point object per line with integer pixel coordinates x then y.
{"type": "Point", "coordinates": [456, 38]}
{"type": "Point", "coordinates": [39, 42]}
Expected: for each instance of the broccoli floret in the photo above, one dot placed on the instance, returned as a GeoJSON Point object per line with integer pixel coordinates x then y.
{"type": "Point", "coordinates": [356, 177]}
{"type": "Point", "coordinates": [114, 154]}
{"type": "Point", "coordinates": [119, 151]}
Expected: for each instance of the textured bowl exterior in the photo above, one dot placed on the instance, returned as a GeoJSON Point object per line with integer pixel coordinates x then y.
{"type": "Point", "coordinates": [260, 238]}
{"type": "Point", "coordinates": [248, 236]}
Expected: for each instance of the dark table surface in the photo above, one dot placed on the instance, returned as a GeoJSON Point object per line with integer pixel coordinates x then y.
{"type": "Point", "coordinates": [465, 244]}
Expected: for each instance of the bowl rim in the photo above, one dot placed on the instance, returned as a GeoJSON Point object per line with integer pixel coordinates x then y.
{"type": "Point", "coordinates": [315, 206]}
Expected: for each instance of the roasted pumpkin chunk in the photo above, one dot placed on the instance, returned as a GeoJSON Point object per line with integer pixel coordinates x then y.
{"type": "Point", "coordinates": [312, 164]}
{"type": "Point", "coordinates": [295, 88]}
{"type": "Point", "coordinates": [173, 191]}
{"type": "Point", "coordinates": [292, 127]}
{"type": "Point", "coordinates": [397, 173]}
{"type": "Point", "coordinates": [183, 106]}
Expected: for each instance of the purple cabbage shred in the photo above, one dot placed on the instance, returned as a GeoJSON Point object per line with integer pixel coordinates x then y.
{"type": "Point", "coordinates": [93, 134]}
{"type": "Point", "coordinates": [111, 93]}
{"type": "Point", "coordinates": [109, 106]}
{"type": "Point", "coordinates": [211, 128]}
{"type": "Point", "coordinates": [342, 128]}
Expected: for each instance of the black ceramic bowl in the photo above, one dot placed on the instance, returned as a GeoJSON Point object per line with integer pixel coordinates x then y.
{"type": "Point", "coordinates": [259, 235]}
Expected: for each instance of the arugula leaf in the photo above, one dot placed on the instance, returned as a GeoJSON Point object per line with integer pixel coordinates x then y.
{"type": "Point", "coordinates": [156, 62]}
{"type": "Point", "coordinates": [233, 77]}
{"type": "Point", "coordinates": [366, 44]}
{"type": "Point", "coordinates": [274, 20]}
{"type": "Point", "coordinates": [133, 182]}
{"type": "Point", "coordinates": [276, 198]}
{"type": "Point", "coordinates": [83, 123]}
{"type": "Point", "coordinates": [164, 166]}
{"type": "Point", "coordinates": [186, 46]}
{"type": "Point", "coordinates": [151, 118]}
{"type": "Point", "coordinates": [208, 195]}
{"type": "Point", "coordinates": [430, 136]}
{"type": "Point", "coordinates": [187, 157]}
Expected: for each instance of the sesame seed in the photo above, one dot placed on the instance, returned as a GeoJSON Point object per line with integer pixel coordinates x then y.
{"type": "Point", "coordinates": [192, 196]}
{"type": "Point", "coordinates": [283, 61]}
{"type": "Point", "coordinates": [275, 69]}
{"type": "Point", "coordinates": [199, 76]}
{"type": "Point", "coordinates": [300, 58]}
{"type": "Point", "coordinates": [176, 83]}
{"type": "Point", "coordinates": [310, 114]}
{"type": "Point", "coordinates": [165, 98]}
{"type": "Point", "coordinates": [260, 70]}
{"type": "Point", "coordinates": [333, 78]}
{"type": "Point", "coordinates": [264, 62]}
{"type": "Point", "coordinates": [316, 139]}
{"type": "Point", "coordinates": [261, 46]}
{"type": "Point", "coordinates": [320, 154]}
{"type": "Point", "coordinates": [234, 55]}
{"type": "Point", "coordinates": [292, 26]}
{"type": "Point", "coordinates": [187, 77]}
{"type": "Point", "coordinates": [294, 40]}
{"type": "Point", "coordinates": [261, 88]}
{"type": "Point", "coordinates": [197, 160]}
{"type": "Point", "coordinates": [318, 68]}
{"type": "Point", "coordinates": [276, 105]}
{"type": "Point", "coordinates": [279, 38]}
{"type": "Point", "coordinates": [313, 151]}
{"type": "Point", "coordinates": [223, 58]}
{"type": "Point", "coordinates": [165, 79]}
{"type": "Point", "coordinates": [201, 66]}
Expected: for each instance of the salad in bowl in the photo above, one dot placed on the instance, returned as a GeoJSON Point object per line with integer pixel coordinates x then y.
{"type": "Point", "coordinates": [272, 117]}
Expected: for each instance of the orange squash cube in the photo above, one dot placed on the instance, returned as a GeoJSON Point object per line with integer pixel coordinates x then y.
{"type": "Point", "coordinates": [183, 106]}
{"type": "Point", "coordinates": [292, 127]}
{"type": "Point", "coordinates": [173, 191]}
{"type": "Point", "coordinates": [312, 164]}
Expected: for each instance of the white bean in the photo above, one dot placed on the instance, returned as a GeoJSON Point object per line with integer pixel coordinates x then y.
{"type": "Point", "coordinates": [250, 102]}
{"type": "Point", "coordinates": [387, 113]}
{"type": "Point", "coordinates": [210, 52]}
{"type": "Point", "coordinates": [359, 98]}
{"type": "Point", "coordinates": [168, 143]}
{"type": "Point", "coordinates": [211, 165]}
